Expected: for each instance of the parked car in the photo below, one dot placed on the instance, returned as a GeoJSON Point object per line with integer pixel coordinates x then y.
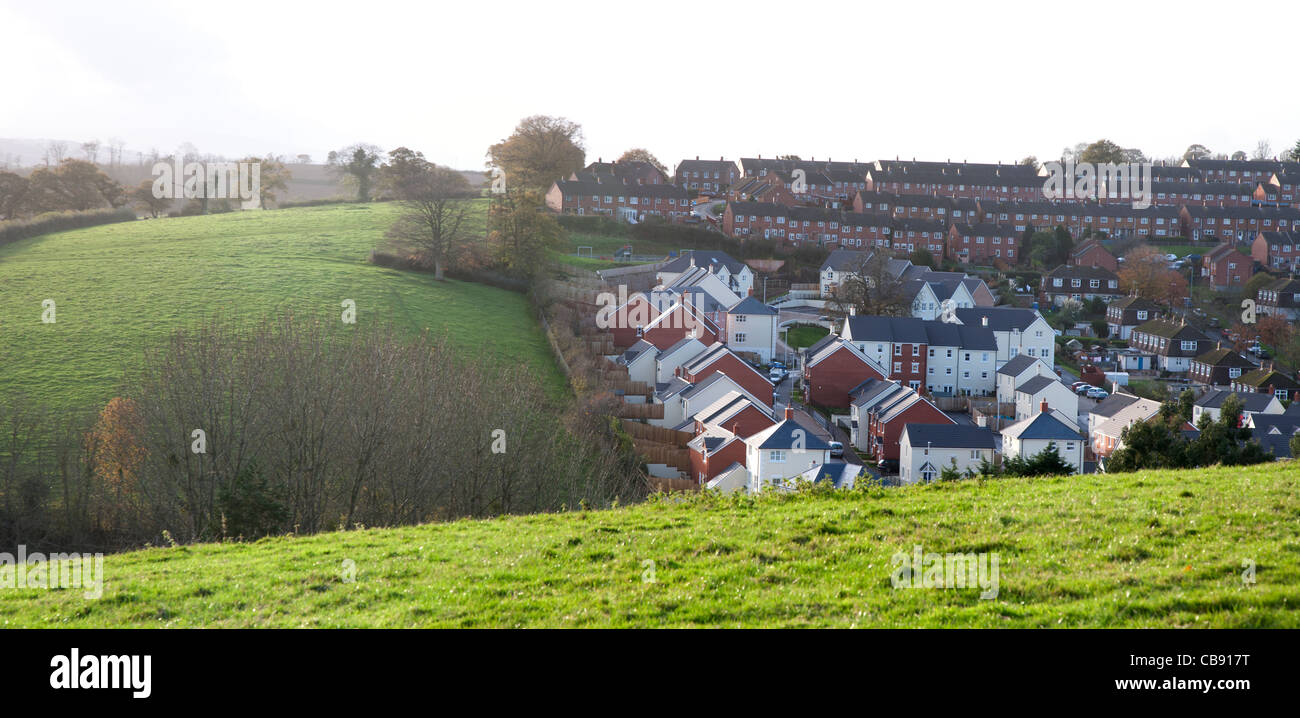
{"type": "Point", "coordinates": [1171, 257]}
{"type": "Point", "coordinates": [837, 450]}
{"type": "Point", "coordinates": [887, 466]}
{"type": "Point", "coordinates": [1083, 388]}
{"type": "Point", "coordinates": [777, 375]}
{"type": "Point", "coordinates": [1097, 393]}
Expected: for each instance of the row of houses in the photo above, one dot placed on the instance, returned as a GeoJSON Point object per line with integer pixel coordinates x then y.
{"type": "Point", "coordinates": [1229, 182]}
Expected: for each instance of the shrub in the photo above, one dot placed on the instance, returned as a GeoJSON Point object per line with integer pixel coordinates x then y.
{"type": "Point", "coordinates": [59, 222]}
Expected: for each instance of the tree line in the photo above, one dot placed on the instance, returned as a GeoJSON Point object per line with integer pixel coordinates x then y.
{"type": "Point", "coordinates": [299, 427]}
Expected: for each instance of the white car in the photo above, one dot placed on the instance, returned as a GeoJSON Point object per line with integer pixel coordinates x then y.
{"type": "Point", "coordinates": [1097, 393]}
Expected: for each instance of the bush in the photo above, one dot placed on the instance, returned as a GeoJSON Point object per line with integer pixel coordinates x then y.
{"type": "Point", "coordinates": [316, 202]}
{"type": "Point", "coordinates": [59, 222]}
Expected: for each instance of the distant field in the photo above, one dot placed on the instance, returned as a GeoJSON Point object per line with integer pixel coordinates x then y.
{"type": "Point", "coordinates": [121, 287]}
{"type": "Point", "coordinates": [1151, 549]}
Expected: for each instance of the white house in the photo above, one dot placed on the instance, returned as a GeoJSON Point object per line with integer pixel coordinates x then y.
{"type": "Point", "coordinates": [735, 276]}
{"type": "Point", "coordinates": [1030, 437]}
{"type": "Point", "coordinates": [750, 326]}
{"type": "Point", "coordinates": [1018, 331]}
{"type": "Point", "coordinates": [679, 354]}
{"type": "Point", "coordinates": [683, 400]}
{"type": "Point", "coordinates": [781, 452]}
{"type": "Point", "coordinates": [925, 450]}
{"type": "Point", "coordinates": [1016, 372]}
{"type": "Point", "coordinates": [640, 361]}
{"type": "Point", "coordinates": [1036, 390]}
{"type": "Point", "coordinates": [844, 263]}
{"type": "Point", "coordinates": [1251, 403]}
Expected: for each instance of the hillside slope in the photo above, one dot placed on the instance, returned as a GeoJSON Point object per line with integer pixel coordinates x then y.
{"type": "Point", "coordinates": [121, 287]}
{"type": "Point", "coordinates": [1145, 549]}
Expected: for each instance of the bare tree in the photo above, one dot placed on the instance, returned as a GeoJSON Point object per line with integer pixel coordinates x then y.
{"type": "Point", "coordinates": [435, 203]}
{"type": "Point", "coordinates": [870, 287]}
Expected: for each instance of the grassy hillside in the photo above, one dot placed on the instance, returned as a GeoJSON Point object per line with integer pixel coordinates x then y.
{"type": "Point", "coordinates": [1147, 549]}
{"type": "Point", "coordinates": [119, 288]}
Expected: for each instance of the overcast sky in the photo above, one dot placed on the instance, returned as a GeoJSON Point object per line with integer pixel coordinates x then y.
{"type": "Point", "coordinates": [932, 80]}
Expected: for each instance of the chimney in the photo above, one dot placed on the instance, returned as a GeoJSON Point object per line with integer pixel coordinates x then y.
{"type": "Point", "coordinates": [1042, 406]}
{"type": "Point", "coordinates": [789, 413]}
{"type": "Point", "coordinates": [735, 428]}
{"type": "Point", "coordinates": [853, 311]}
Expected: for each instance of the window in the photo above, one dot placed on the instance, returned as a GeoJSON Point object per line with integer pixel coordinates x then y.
{"type": "Point", "coordinates": [1189, 346]}
{"type": "Point", "coordinates": [916, 367]}
{"type": "Point", "coordinates": [740, 318]}
{"type": "Point", "coordinates": [776, 456]}
{"type": "Point", "coordinates": [898, 367]}
{"type": "Point", "coordinates": [740, 337]}
{"type": "Point", "coordinates": [898, 350]}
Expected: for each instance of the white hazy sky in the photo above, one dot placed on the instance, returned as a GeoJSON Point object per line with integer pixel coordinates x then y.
{"type": "Point", "coordinates": [962, 80]}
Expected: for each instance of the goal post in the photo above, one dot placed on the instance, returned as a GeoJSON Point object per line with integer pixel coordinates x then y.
{"type": "Point", "coordinates": [588, 254]}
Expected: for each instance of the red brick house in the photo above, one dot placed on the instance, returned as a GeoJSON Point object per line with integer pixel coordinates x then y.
{"type": "Point", "coordinates": [618, 199]}
{"type": "Point", "coordinates": [1226, 268]}
{"type": "Point", "coordinates": [885, 421]}
{"type": "Point", "coordinates": [720, 358]}
{"type": "Point", "coordinates": [1091, 254]}
{"type": "Point", "coordinates": [707, 176]}
{"type": "Point", "coordinates": [983, 243]}
{"type": "Point", "coordinates": [733, 413]}
{"type": "Point", "coordinates": [834, 370]}
{"type": "Point", "coordinates": [677, 323]}
{"type": "Point", "coordinates": [1277, 250]}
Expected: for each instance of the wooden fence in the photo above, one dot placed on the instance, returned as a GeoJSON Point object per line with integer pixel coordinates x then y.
{"type": "Point", "coordinates": [658, 483]}
{"type": "Point", "coordinates": [641, 411]}
{"type": "Point", "coordinates": [659, 434]}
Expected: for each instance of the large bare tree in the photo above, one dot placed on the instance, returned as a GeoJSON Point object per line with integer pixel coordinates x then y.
{"type": "Point", "coordinates": [870, 287]}
{"type": "Point", "coordinates": [435, 202]}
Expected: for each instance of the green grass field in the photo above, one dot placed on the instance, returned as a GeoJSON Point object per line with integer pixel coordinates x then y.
{"type": "Point", "coordinates": [803, 335]}
{"type": "Point", "coordinates": [119, 288]}
{"type": "Point", "coordinates": [1129, 550]}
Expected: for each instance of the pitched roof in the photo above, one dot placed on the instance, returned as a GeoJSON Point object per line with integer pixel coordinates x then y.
{"type": "Point", "coordinates": [1018, 364]}
{"type": "Point", "coordinates": [782, 436]}
{"type": "Point", "coordinates": [750, 305]}
{"type": "Point", "coordinates": [945, 436]}
{"type": "Point", "coordinates": [842, 260]}
{"type": "Point", "coordinates": [703, 258]}
{"type": "Point", "coordinates": [1136, 411]}
{"type": "Point", "coordinates": [1033, 385]}
{"type": "Point", "coordinates": [1250, 401]}
{"type": "Point", "coordinates": [1262, 377]}
{"type": "Point", "coordinates": [1171, 330]}
{"type": "Point", "coordinates": [1132, 302]}
{"type": "Point", "coordinates": [1000, 319]}
{"type": "Point", "coordinates": [841, 475]}
{"type": "Point", "coordinates": [635, 351]}
{"type": "Point", "coordinates": [1113, 404]}
{"type": "Point", "coordinates": [910, 330]}
{"type": "Point", "coordinates": [1223, 357]}
{"type": "Point", "coordinates": [1044, 425]}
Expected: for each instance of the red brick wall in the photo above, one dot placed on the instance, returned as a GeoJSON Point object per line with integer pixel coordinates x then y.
{"type": "Point", "coordinates": [745, 424]}
{"type": "Point", "coordinates": [830, 381]}
{"type": "Point", "coordinates": [888, 433]}
{"type": "Point", "coordinates": [738, 371]}
{"type": "Point", "coordinates": [716, 462]}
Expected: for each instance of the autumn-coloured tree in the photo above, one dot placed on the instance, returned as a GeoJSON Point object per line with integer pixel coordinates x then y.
{"type": "Point", "coordinates": [640, 154]}
{"type": "Point", "coordinates": [1146, 273]}
{"type": "Point", "coordinates": [1274, 331]}
{"type": "Point", "coordinates": [541, 150]}
{"type": "Point", "coordinates": [115, 442]}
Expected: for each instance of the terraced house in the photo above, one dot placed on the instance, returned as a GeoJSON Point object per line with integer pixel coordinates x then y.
{"type": "Point", "coordinates": [1080, 283]}
{"type": "Point", "coordinates": [708, 176]}
{"type": "Point", "coordinates": [1281, 298]}
{"type": "Point", "coordinates": [1278, 251]}
{"type": "Point", "coordinates": [1219, 367]}
{"type": "Point", "coordinates": [1224, 267]}
{"type": "Point", "coordinates": [947, 359]}
{"type": "Point", "coordinates": [619, 200]}
{"type": "Point", "coordinates": [1173, 343]}
{"type": "Point", "coordinates": [1127, 312]}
